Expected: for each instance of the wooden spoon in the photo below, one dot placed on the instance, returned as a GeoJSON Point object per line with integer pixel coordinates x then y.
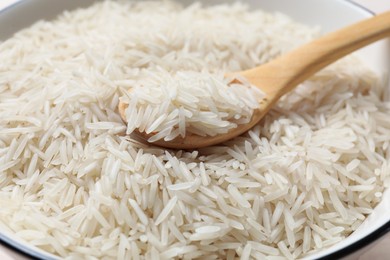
{"type": "Point", "coordinates": [283, 74]}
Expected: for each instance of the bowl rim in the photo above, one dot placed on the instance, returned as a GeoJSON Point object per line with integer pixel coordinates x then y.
{"type": "Point", "coordinates": [35, 253]}
{"type": "Point", "coordinates": [359, 244]}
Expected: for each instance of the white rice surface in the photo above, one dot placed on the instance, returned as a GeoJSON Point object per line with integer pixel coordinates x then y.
{"type": "Point", "coordinates": [171, 104]}
{"type": "Point", "coordinates": [70, 183]}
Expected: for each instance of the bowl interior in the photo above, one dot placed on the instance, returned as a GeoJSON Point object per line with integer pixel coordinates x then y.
{"type": "Point", "coordinates": [328, 14]}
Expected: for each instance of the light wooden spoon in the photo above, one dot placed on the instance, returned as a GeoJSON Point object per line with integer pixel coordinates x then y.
{"type": "Point", "coordinates": [283, 74]}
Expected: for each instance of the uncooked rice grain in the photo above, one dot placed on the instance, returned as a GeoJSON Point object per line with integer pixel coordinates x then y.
{"type": "Point", "coordinates": [72, 184]}
{"type": "Point", "coordinates": [179, 103]}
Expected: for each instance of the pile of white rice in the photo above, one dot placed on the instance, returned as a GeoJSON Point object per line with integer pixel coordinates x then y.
{"type": "Point", "coordinates": [171, 104]}
{"type": "Point", "coordinates": [73, 185]}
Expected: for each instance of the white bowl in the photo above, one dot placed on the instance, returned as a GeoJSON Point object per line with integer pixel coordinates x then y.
{"type": "Point", "coordinates": [329, 14]}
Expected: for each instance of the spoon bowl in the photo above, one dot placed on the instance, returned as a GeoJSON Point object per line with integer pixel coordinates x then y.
{"type": "Point", "coordinates": [283, 74]}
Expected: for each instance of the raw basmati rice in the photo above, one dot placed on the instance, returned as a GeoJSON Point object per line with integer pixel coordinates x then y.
{"type": "Point", "coordinates": [188, 103]}
{"type": "Point", "coordinates": [73, 185]}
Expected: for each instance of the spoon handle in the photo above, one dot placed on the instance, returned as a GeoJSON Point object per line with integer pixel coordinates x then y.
{"type": "Point", "coordinates": [282, 74]}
